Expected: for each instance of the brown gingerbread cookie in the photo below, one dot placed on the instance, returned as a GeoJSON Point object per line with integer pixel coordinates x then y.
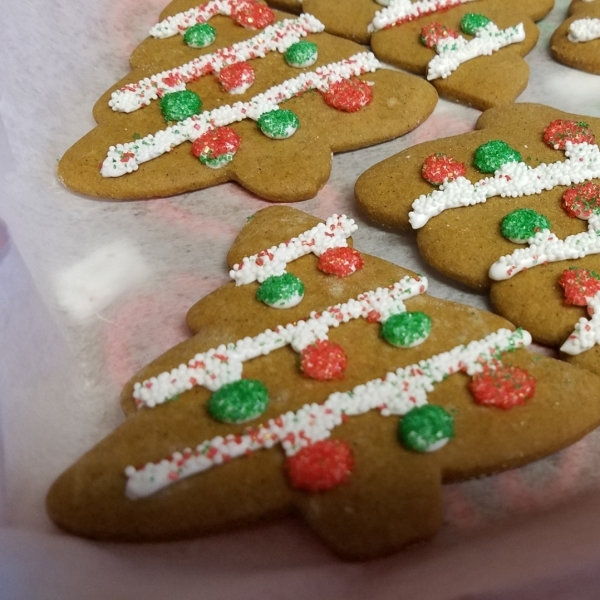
{"type": "Point", "coordinates": [230, 90]}
{"type": "Point", "coordinates": [322, 382]}
{"type": "Point", "coordinates": [471, 50]}
{"type": "Point", "coordinates": [516, 211]}
{"type": "Point", "coordinates": [576, 42]}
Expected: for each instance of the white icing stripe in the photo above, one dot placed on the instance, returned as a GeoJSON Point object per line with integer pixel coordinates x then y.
{"type": "Point", "coordinates": [396, 394]}
{"type": "Point", "coordinates": [182, 21]}
{"type": "Point", "coordinates": [258, 267]}
{"type": "Point", "coordinates": [216, 367]}
{"type": "Point", "coordinates": [512, 180]}
{"type": "Point", "coordinates": [452, 52]}
{"type": "Point", "coordinates": [587, 331]}
{"type": "Point", "coordinates": [125, 158]}
{"type": "Point", "coordinates": [584, 30]}
{"type": "Point", "coordinates": [545, 247]}
{"type": "Point", "coordinates": [403, 11]}
{"type": "Point", "coordinates": [278, 37]}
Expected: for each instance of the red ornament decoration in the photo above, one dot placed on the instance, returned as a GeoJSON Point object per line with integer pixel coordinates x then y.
{"type": "Point", "coordinates": [582, 200]}
{"type": "Point", "coordinates": [236, 78]}
{"type": "Point", "coordinates": [324, 360]}
{"type": "Point", "coordinates": [440, 167]}
{"type": "Point", "coordinates": [432, 33]}
{"type": "Point", "coordinates": [579, 285]}
{"type": "Point", "coordinates": [252, 15]}
{"type": "Point", "coordinates": [559, 132]}
{"type": "Point", "coordinates": [321, 466]}
{"type": "Point", "coordinates": [349, 95]}
{"type": "Point", "coordinates": [217, 142]}
{"type": "Point", "coordinates": [341, 261]}
{"type": "Point", "coordinates": [502, 386]}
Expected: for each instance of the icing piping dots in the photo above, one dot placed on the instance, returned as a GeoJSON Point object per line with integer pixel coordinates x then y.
{"type": "Point", "coordinates": [584, 30]}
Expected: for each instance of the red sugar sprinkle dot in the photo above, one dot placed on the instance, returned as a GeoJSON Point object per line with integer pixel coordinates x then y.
{"type": "Point", "coordinates": [439, 167]}
{"type": "Point", "coordinates": [341, 261]}
{"type": "Point", "coordinates": [579, 285]}
{"type": "Point", "coordinates": [324, 360]}
{"type": "Point", "coordinates": [582, 200]}
{"type": "Point", "coordinates": [432, 33]}
{"type": "Point", "coordinates": [216, 143]}
{"type": "Point", "coordinates": [503, 386]}
{"type": "Point", "coordinates": [252, 15]}
{"type": "Point", "coordinates": [238, 75]}
{"type": "Point", "coordinates": [321, 466]}
{"type": "Point", "coordinates": [559, 132]}
{"type": "Point", "coordinates": [349, 95]}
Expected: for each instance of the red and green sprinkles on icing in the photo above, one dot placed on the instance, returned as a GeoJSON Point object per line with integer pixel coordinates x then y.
{"type": "Point", "coordinates": [178, 106]}
{"type": "Point", "coordinates": [341, 261]}
{"type": "Point", "coordinates": [278, 124]}
{"type": "Point", "coordinates": [440, 167]}
{"type": "Point", "coordinates": [252, 16]}
{"type": "Point", "coordinates": [200, 35]}
{"type": "Point", "coordinates": [301, 54]}
{"type": "Point", "coordinates": [406, 329]}
{"type": "Point", "coordinates": [239, 401]}
{"type": "Point", "coordinates": [502, 386]}
{"type": "Point", "coordinates": [236, 78]}
{"type": "Point", "coordinates": [582, 200]}
{"type": "Point", "coordinates": [521, 224]}
{"type": "Point", "coordinates": [281, 291]}
{"type": "Point", "coordinates": [492, 155]}
{"type": "Point", "coordinates": [426, 428]}
{"type": "Point", "coordinates": [324, 361]}
{"type": "Point", "coordinates": [217, 148]}
{"type": "Point", "coordinates": [321, 466]}
{"type": "Point", "coordinates": [432, 33]}
{"type": "Point", "coordinates": [561, 131]}
{"type": "Point", "coordinates": [579, 285]}
{"type": "Point", "coordinates": [471, 23]}
{"type": "Point", "coordinates": [348, 95]}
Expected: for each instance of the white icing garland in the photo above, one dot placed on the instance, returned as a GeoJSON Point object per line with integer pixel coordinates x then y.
{"type": "Point", "coordinates": [513, 179]}
{"type": "Point", "coordinates": [216, 367]}
{"type": "Point", "coordinates": [403, 11]}
{"type": "Point", "coordinates": [396, 394]}
{"type": "Point", "coordinates": [258, 267]}
{"type": "Point", "coordinates": [587, 331]}
{"type": "Point", "coordinates": [584, 30]}
{"type": "Point", "coordinates": [452, 52]}
{"type": "Point", "coordinates": [545, 247]}
{"type": "Point", "coordinates": [125, 158]}
{"type": "Point", "coordinates": [277, 37]}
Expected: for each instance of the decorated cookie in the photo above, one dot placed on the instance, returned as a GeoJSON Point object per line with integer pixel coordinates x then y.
{"type": "Point", "coordinates": [576, 42]}
{"type": "Point", "coordinates": [230, 90]}
{"type": "Point", "coordinates": [348, 400]}
{"type": "Point", "coordinates": [513, 208]}
{"type": "Point", "coordinates": [471, 50]}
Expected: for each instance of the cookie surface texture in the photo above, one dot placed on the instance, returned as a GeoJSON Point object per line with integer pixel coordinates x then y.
{"type": "Point", "coordinates": [576, 42]}
{"type": "Point", "coordinates": [528, 213]}
{"type": "Point", "coordinates": [481, 67]}
{"type": "Point", "coordinates": [269, 411]}
{"type": "Point", "coordinates": [190, 113]}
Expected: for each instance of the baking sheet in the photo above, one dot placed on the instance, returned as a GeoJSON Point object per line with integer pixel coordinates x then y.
{"type": "Point", "coordinates": [90, 291]}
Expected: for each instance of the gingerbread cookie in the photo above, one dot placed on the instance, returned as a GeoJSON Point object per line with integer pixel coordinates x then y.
{"type": "Point", "coordinates": [576, 42]}
{"type": "Point", "coordinates": [229, 90]}
{"type": "Point", "coordinates": [324, 382]}
{"type": "Point", "coordinates": [515, 211]}
{"type": "Point", "coordinates": [471, 50]}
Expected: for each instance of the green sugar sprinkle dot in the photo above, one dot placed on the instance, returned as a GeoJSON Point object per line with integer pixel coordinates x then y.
{"type": "Point", "coordinates": [406, 329]}
{"type": "Point", "coordinates": [200, 35]}
{"type": "Point", "coordinates": [278, 290]}
{"type": "Point", "coordinates": [426, 428]}
{"type": "Point", "coordinates": [218, 161]}
{"type": "Point", "coordinates": [278, 124]}
{"type": "Point", "coordinates": [301, 54]}
{"type": "Point", "coordinates": [489, 157]}
{"type": "Point", "coordinates": [523, 223]}
{"type": "Point", "coordinates": [472, 22]}
{"type": "Point", "coordinates": [178, 106]}
{"type": "Point", "coordinates": [239, 401]}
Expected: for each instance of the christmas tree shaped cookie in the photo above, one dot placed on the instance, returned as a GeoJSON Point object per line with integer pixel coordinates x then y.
{"type": "Point", "coordinates": [229, 90]}
{"type": "Point", "coordinates": [513, 208]}
{"type": "Point", "coordinates": [324, 382]}
{"type": "Point", "coordinates": [471, 50]}
{"type": "Point", "coordinates": [576, 42]}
